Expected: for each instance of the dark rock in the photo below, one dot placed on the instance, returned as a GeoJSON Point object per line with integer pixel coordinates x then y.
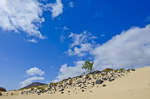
{"type": "Point", "coordinates": [3, 89]}
{"type": "Point", "coordinates": [128, 70]}
{"type": "Point", "coordinates": [111, 79]}
{"type": "Point", "coordinates": [99, 81]}
{"type": "Point", "coordinates": [95, 72]}
{"type": "Point", "coordinates": [104, 85]}
{"type": "Point", "coordinates": [104, 78]}
{"type": "Point", "coordinates": [93, 83]}
{"type": "Point", "coordinates": [133, 69]}
{"type": "Point", "coordinates": [82, 90]}
{"type": "Point", "coordinates": [89, 78]}
{"type": "Point", "coordinates": [82, 87]}
{"type": "Point", "coordinates": [62, 92]}
{"type": "Point", "coordinates": [79, 85]}
{"type": "Point", "coordinates": [0, 93]}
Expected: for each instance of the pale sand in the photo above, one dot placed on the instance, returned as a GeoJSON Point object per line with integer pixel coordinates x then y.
{"type": "Point", "coordinates": [135, 85]}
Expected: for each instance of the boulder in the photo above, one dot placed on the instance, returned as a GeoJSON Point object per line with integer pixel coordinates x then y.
{"type": "Point", "coordinates": [2, 89]}
{"type": "Point", "coordinates": [0, 93]}
{"type": "Point", "coordinates": [111, 79]}
{"type": "Point", "coordinates": [104, 85]}
{"type": "Point", "coordinates": [82, 90]}
{"type": "Point", "coordinates": [133, 69]}
{"type": "Point", "coordinates": [99, 81]}
{"type": "Point", "coordinates": [61, 90]}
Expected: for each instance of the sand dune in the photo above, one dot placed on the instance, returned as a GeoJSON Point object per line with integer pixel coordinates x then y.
{"type": "Point", "coordinates": [135, 85]}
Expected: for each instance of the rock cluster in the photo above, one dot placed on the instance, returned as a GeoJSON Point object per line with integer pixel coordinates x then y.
{"type": "Point", "coordinates": [0, 93]}
{"type": "Point", "coordinates": [2, 90]}
{"type": "Point", "coordinates": [80, 83]}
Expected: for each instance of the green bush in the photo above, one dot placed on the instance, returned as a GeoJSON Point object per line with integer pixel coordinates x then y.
{"type": "Point", "coordinates": [54, 84]}
{"type": "Point", "coordinates": [70, 81]}
{"type": "Point", "coordinates": [107, 70]}
{"type": "Point", "coordinates": [88, 65]}
{"type": "Point", "coordinates": [121, 69]}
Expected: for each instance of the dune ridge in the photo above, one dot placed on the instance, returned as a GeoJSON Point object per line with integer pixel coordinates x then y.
{"type": "Point", "coordinates": [134, 85]}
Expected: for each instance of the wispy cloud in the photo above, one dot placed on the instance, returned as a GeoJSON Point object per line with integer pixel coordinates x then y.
{"type": "Point", "coordinates": [81, 44]}
{"type": "Point", "coordinates": [35, 71]}
{"type": "Point", "coordinates": [56, 8]}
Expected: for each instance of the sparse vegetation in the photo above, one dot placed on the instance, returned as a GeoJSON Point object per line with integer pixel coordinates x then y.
{"type": "Point", "coordinates": [108, 70]}
{"type": "Point", "coordinates": [121, 69]}
{"type": "Point", "coordinates": [83, 81]}
{"type": "Point", "coordinates": [70, 81]}
{"type": "Point", "coordinates": [53, 84]}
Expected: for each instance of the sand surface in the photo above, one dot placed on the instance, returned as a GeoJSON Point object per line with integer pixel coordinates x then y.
{"type": "Point", "coordinates": [135, 85]}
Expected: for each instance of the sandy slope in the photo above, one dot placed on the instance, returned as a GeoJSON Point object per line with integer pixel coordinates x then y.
{"type": "Point", "coordinates": [135, 85]}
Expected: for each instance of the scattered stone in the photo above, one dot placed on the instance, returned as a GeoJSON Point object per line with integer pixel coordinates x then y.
{"type": "Point", "coordinates": [82, 90]}
{"type": "Point", "coordinates": [61, 90]}
{"type": "Point", "coordinates": [133, 69]}
{"type": "Point", "coordinates": [99, 81]}
{"type": "Point", "coordinates": [82, 82]}
{"type": "Point", "coordinates": [39, 94]}
{"type": "Point", "coordinates": [95, 72]}
{"type": "Point", "coordinates": [1, 94]}
{"type": "Point", "coordinates": [104, 85]}
{"type": "Point", "coordinates": [104, 78]}
{"type": "Point", "coordinates": [111, 79]}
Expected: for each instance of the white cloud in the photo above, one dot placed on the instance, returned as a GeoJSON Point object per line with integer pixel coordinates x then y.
{"type": "Point", "coordinates": [35, 71]}
{"type": "Point", "coordinates": [82, 43]}
{"type": "Point", "coordinates": [21, 15]}
{"type": "Point", "coordinates": [30, 80]}
{"type": "Point", "coordinates": [26, 15]}
{"type": "Point", "coordinates": [81, 51]}
{"type": "Point", "coordinates": [32, 40]}
{"type": "Point", "coordinates": [56, 8]}
{"type": "Point", "coordinates": [70, 71]}
{"type": "Point", "coordinates": [129, 49]}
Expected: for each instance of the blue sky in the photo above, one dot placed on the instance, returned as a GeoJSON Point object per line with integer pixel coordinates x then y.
{"type": "Point", "coordinates": [56, 37]}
